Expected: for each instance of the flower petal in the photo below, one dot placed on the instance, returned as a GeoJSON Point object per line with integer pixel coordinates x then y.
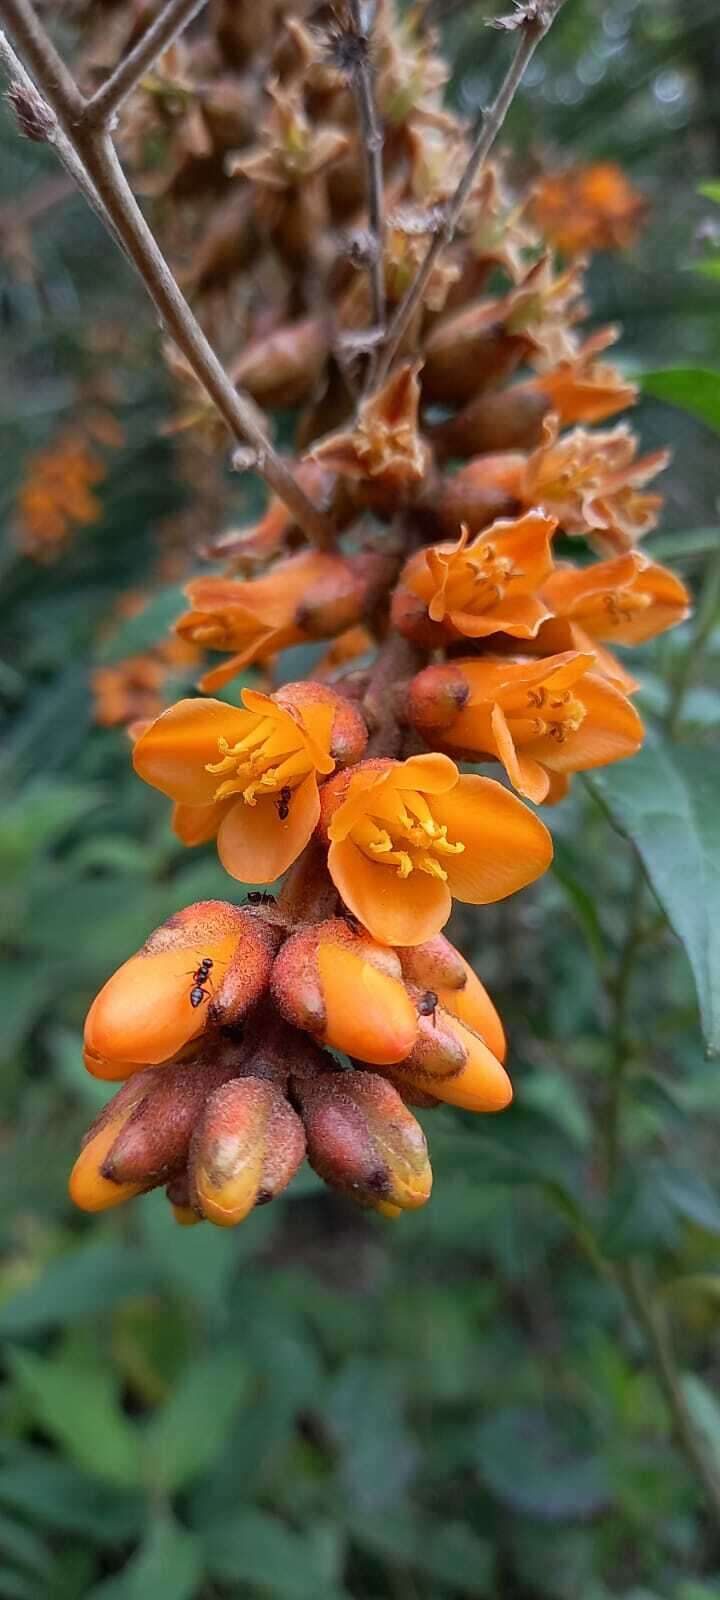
{"type": "Point", "coordinates": [255, 845]}
{"type": "Point", "coordinates": [394, 910]}
{"type": "Point", "coordinates": [174, 753]}
{"type": "Point", "coordinates": [506, 847]}
{"type": "Point", "coordinates": [525, 774]}
{"type": "Point", "coordinates": [610, 731]}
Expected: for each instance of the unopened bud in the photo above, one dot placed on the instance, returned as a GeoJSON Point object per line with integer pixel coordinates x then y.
{"type": "Point", "coordinates": [201, 970]}
{"type": "Point", "coordinates": [436, 964]}
{"type": "Point", "coordinates": [142, 1137]}
{"type": "Point", "coordinates": [435, 698]}
{"type": "Point", "coordinates": [451, 1061]}
{"type": "Point", "coordinates": [486, 488]}
{"type": "Point", "coordinates": [469, 351]}
{"type": "Point", "coordinates": [245, 1151]}
{"type": "Point", "coordinates": [362, 1139]}
{"type": "Point", "coordinates": [347, 991]}
{"type": "Point", "coordinates": [498, 419]}
{"type": "Point", "coordinates": [340, 598]}
{"type": "Point", "coordinates": [282, 368]}
{"type": "Point", "coordinates": [348, 732]}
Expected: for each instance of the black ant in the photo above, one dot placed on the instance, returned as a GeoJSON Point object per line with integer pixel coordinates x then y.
{"type": "Point", "coordinates": [260, 897]}
{"type": "Point", "coordinates": [200, 976]}
{"type": "Point", "coordinates": [283, 804]}
{"type": "Point", "coordinates": [428, 1004]}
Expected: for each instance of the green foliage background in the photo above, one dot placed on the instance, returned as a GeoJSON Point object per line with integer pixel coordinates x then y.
{"type": "Point", "coordinates": [323, 1405]}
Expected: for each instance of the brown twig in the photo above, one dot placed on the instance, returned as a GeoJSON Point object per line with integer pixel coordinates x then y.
{"type": "Point", "coordinates": [361, 14]}
{"type": "Point", "coordinates": [532, 27]}
{"type": "Point", "coordinates": [90, 157]}
{"type": "Point", "coordinates": [101, 107]}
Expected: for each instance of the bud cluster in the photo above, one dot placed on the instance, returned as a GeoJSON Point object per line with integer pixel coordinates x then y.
{"type": "Point", "coordinates": [230, 1076]}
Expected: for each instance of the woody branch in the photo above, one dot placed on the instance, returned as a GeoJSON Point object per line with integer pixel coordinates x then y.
{"type": "Point", "coordinates": [78, 128]}
{"type": "Point", "coordinates": [532, 22]}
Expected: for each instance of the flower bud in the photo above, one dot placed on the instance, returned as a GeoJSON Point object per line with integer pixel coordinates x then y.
{"type": "Point", "coordinates": [472, 350]}
{"type": "Point", "coordinates": [436, 964]}
{"type": "Point", "coordinates": [332, 605]}
{"type": "Point", "coordinates": [347, 991]}
{"type": "Point", "coordinates": [178, 1193]}
{"type": "Point", "coordinates": [282, 368]}
{"type": "Point", "coordinates": [452, 1061]}
{"type": "Point", "coordinates": [362, 1140]}
{"type": "Point", "coordinates": [486, 488]}
{"type": "Point", "coordinates": [435, 698]}
{"type": "Point", "coordinates": [202, 969]}
{"type": "Point", "coordinates": [498, 419]}
{"type": "Point", "coordinates": [142, 1137]}
{"type": "Point", "coordinates": [348, 732]}
{"type": "Point", "coordinates": [247, 1147]}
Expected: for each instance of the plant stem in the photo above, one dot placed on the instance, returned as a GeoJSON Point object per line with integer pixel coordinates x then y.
{"type": "Point", "coordinates": [372, 138]}
{"type": "Point", "coordinates": [621, 997]}
{"type": "Point", "coordinates": [105, 185]}
{"type": "Point", "coordinates": [705, 619]}
{"type": "Point", "coordinates": [652, 1320]}
{"type": "Point", "coordinates": [101, 107]}
{"type": "Point", "coordinates": [530, 31]}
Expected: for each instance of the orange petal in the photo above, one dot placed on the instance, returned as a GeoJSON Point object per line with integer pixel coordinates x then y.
{"type": "Point", "coordinates": [506, 847]}
{"type": "Point", "coordinates": [472, 1004]}
{"type": "Point", "coordinates": [173, 754]}
{"type": "Point", "coordinates": [143, 1014]}
{"type": "Point", "coordinates": [256, 845]}
{"type": "Point", "coordinates": [394, 910]}
{"type": "Point", "coordinates": [87, 1187]}
{"type": "Point", "coordinates": [520, 615]}
{"type": "Point", "coordinates": [525, 774]}
{"type": "Point", "coordinates": [196, 824]}
{"type": "Point", "coordinates": [611, 730]}
{"type": "Point", "coordinates": [368, 1013]}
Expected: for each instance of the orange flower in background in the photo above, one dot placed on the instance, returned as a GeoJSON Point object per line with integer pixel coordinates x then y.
{"type": "Point", "coordinates": [588, 208]}
{"type": "Point", "coordinates": [407, 836]}
{"type": "Point", "coordinates": [583, 389]}
{"type": "Point", "coordinates": [129, 691]}
{"type": "Point", "coordinates": [627, 600]}
{"type": "Point", "coordinates": [539, 718]}
{"type": "Point", "coordinates": [593, 484]}
{"type": "Point", "coordinates": [200, 970]}
{"type": "Point", "coordinates": [311, 595]}
{"type": "Point", "coordinates": [475, 590]}
{"type": "Point", "coordinates": [250, 777]}
{"type": "Point", "coordinates": [56, 494]}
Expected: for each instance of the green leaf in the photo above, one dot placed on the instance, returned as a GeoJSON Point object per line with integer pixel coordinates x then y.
{"type": "Point", "coordinates": [710, 189]}
{"type": "Point", "coordinates": [258, 1550]}
{"type": "Point", "coordinates": [692, 389]}
{"type": "Point", "coordinates": [539, 1461]}
{"type": "Point", "coordinates": [88, 1280]}
{"type": "Point", "coordinates": [168, 1566]}
{"type": "Point", "coordinates": [56, 1495]}
{"type": "Point", "coordinates": [78, 1406]}
{"type": "Point", "coordinates": [686, 544]}
{"type": "Point", "coordinates": [446, 1551]}
{"type": "Point", "coordinates": [183, 1440]}
{"type": "Point", "coordinates": [705, 1412]}
{"type": "Point", "coordinates": [666, 802]}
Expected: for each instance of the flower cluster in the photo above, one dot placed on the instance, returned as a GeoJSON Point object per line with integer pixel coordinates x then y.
{"type": "Point", "coordinates": [485, 514]}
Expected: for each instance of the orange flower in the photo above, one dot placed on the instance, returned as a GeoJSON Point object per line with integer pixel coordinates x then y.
{"type": "Point", "coordinates": [583, 389]}
{"type": "Point", "coordinates": [474, 590]}
{"type": "Point", "coordinates": [384, 444]}
{"type": "Point", "coordinates": [627, 600]}
{"type": "Point", "coordinates": [200, 970]}
{"type": "Point", "coordinates": [539, 718]}
{"type": "Point", "coordinates": [591, 482]}
{"type": "Point", "coordinates": [57, 492]}
{"type": "Point", "coordinates": [129, 691]}
{"type": "Point", "coordinates": [588, 208]}
{"type": "Point", "coordinates": [311, 595]}
{"type": "Point", "coordinates": [405, 836]}
{"type": "Point", "coordinates": [250, 777]}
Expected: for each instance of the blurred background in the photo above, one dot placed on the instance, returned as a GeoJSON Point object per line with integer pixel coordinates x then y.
{"type": "Point", "coordinates": [323, 1404]}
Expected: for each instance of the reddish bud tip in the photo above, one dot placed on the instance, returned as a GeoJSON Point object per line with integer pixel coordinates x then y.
{"type": "Point", "coordinates": [362, 1140]}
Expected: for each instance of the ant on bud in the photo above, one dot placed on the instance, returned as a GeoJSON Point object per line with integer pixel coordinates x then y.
{"type": "Point", "coordinates": [428, 1004]}
{"type": "Point", "coordinates": [259, 897]}
{"type": "Point", "coordinates": [200, 976]}
{"type": "Point", "coordinates": [283, 803]}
